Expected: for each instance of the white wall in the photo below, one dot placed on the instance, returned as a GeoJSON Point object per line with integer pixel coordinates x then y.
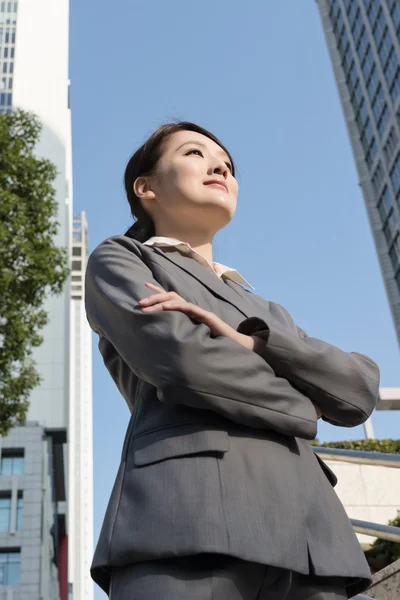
{"type": "Point", "coordinates": [41, 86]}
{"type": "Point", "coordinates": [368, 493]}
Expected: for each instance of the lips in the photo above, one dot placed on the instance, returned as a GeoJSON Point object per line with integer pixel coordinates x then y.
{"type": "Point", "coordinates": [218, 182]}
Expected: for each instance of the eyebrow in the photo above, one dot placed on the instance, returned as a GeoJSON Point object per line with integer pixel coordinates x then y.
{"type": "Point", "coordinates": [203, 146]}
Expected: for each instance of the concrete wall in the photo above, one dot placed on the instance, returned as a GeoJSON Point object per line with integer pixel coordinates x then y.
{"type": "Point", "coordinates": [368, 493]}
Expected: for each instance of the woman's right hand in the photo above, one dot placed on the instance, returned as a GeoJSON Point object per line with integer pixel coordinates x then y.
{"type": "Point", "coordinates": [163, 300]}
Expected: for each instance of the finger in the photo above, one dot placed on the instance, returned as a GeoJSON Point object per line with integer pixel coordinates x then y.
{"type": "Point", "coordinates": [165, 305]}
{"type": "Point", "coordinates": [187, 308]}
{"type": "Point", "coordinates": [155, 299]}
{"type": "Point", "coordinates": [152, 286]}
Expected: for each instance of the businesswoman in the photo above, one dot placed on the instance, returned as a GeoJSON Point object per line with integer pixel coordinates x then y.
{"type": "Point", "coordinates": [218, 495]}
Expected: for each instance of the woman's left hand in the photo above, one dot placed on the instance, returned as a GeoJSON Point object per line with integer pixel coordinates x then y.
{"type": "Point", "coordinates": [163, 300]}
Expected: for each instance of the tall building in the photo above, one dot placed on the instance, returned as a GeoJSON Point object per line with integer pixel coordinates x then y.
{"type": "Point", "coordinates": [80, 433]}
{"type": "Point", "coordinates": [363, 38]}
{"type": "Point", "coordinates": [45, 511]}
{"type": "Point", "coordinates": [33, 540]}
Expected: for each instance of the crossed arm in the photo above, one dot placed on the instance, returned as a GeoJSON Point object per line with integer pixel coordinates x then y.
{"type": "Point", "coordinates": [180, 357]}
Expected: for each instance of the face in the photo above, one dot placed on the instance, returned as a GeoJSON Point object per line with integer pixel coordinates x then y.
{"type": "Point", "coordinates": [193, 187]}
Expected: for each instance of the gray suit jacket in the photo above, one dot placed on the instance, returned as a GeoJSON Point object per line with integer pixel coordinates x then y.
{"type": "Point", "coordinates": [216, 457]}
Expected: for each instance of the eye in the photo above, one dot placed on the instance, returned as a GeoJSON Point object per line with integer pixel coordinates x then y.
{"type": "Point", "coordinates": [193, 151]}
{"type": "Point", "coordinates": [228, 164]}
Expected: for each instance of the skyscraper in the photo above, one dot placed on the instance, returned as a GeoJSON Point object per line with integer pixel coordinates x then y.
{"type": "Point", "coordinates": [363, 38]}
{"type": "Point", "coordinates": [80, 487]}
{"type": "Point", "coordinates": [45, 469]}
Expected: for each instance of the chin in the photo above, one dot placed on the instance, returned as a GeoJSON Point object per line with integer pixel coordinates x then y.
{"type": "Point", "coordinates": [221, 213]}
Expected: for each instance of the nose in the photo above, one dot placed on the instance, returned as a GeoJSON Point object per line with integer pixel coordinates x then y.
{"type": "Point", "coordinates": [218, 167]}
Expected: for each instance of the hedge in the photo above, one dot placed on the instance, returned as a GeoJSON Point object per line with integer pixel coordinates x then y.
{"type": "Point", "coordinates": [382, 552]}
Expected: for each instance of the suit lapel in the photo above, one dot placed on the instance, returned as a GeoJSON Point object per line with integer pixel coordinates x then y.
{"type": "Point", "coordinates": [230, 291]}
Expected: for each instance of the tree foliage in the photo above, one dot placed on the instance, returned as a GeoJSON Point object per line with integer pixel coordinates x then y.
{"type": "Point", "coordinates": [31, 265]}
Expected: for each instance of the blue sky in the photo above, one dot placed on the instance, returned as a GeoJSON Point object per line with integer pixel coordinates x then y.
{"type": "Point", "coordinates": [257, 75]}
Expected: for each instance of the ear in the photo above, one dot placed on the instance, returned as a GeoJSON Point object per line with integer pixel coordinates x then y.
{"type": "Point", "coordinates": [142, 189]}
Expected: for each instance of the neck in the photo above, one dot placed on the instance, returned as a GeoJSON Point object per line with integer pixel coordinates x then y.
{"type": "Point", "coordinates": [201, 243]}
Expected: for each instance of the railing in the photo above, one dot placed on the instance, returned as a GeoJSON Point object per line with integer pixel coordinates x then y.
{"type": "Point", "coordinates": [378, 459]}
{"type": "Point", "coordinates": [383, 532]}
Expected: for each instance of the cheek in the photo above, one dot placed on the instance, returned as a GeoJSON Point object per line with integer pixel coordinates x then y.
{"type": "Point", "coordinates": [235, 188]}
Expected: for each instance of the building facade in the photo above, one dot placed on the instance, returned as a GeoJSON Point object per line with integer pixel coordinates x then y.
{"type": "Point", "coordinates": [363, 38]}
{"type": "Point", "coordinates": [34, 49]}
{"type": "Point", "coordinates": [33, 557]}
{"type": "Point", "coordinates": [80, 487]}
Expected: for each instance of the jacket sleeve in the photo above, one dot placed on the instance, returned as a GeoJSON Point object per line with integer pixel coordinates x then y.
{"type": "Point", "coordinates": [345, 385]}
{"type": "Point", "coordinates": [179, 357]}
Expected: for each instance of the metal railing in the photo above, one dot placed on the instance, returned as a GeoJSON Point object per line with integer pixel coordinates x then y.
{"type": "Point", "coordinates": [383, 532]}
{"type": "Point", "coordinates": [378, 459]}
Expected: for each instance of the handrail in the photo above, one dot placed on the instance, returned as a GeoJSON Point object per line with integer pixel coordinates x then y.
{"type": "Point", "coordinates": [359, 457]}
{"type": "Point", "coordinates": [383, 532]}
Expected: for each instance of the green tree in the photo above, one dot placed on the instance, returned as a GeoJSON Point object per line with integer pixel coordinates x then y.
{"type": "Point", "coordinates": [31, 265]}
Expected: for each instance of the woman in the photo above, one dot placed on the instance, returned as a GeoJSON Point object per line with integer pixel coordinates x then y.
{"type": "Point", "coordinates": [218, 494]}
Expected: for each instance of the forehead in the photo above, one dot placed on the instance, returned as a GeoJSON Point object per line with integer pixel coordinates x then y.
{"type": "Point", "coordinates": [180, 138]}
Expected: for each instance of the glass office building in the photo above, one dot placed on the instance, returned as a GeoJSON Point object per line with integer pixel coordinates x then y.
{"type": "Point", "coordinates": [363, 38]}
{"type": "Point", "coordinates": [8, 30]}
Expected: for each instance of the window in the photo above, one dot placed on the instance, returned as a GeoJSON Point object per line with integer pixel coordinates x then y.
{"type": "Point", "coordinates": [373, 83]}
{"type": "Point", "coordinates": [378, 176]}
{"type": "Point", "coordinates": [385, 48]}
{"type": "Point", "coordinates": [390, 227]}
{"type": "Point", "coordinates": [380, 27]}
{"type": "Point", "coordinates": [394, 90]}
{"type": "Point", "coordinates": [385, 204]}
{"type": "Point", "coordinates": [391, 67]}
{"type": "Point", "coordinates": [76, 265]}
{"type": "Point", "coordinates": [373, 11]}
{"type": "Point", "coordinates": [390, 146]}
{"type": "Point", "coordinates": [394, 252]}
{"type": "Point", "coordinates": [335, 9]}
{"type": "Point", "coordinates": [397, 279]}
{"type": "Point", "coordinates": [362, 115]}
{"type": "Point", "coordinates": [395, 175]}
{"type": "Point", "coordinates": [363, 45]}
{"type": "Point", "coordinates": [383, 121]}
{"type": "Point", "coordinates": [10, 566]}
{"type": "Point", "coordinates": [371, 155]}
{"type": "Point", "coordinates": [351, 12]}
{"type": "Point", "coordinates": [352, 77]}
{"type": "Point", "coordinates": [367, 136]}
{"type": "Point", "coordinates": [347, 60]}
{"type": "Point", "coordinates": [357, 97]}
{"type": "Point", "coordinates": [358, 27]}
{"type": "Point", "coordinates": [378, 103]}
{"type": "Point", "coordinates": [368, 64]}
{"type": "Point", "coordinates": [5, 511]}
{"type": "Point", "coordinates": [396, 14]}
{"type": "Point", "coordinates": [343, 43]}
{"type": "Point", "coordinates": [12, 462]}
{"type": "Point", "coordinates": [76, 251]}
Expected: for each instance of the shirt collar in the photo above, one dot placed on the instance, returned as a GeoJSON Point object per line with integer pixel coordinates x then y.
{"type": "Point", "coordinates": [222, 271]}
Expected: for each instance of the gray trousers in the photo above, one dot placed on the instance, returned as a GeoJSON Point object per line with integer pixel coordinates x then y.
{"type": "Point", "coordinates": [216, 577]}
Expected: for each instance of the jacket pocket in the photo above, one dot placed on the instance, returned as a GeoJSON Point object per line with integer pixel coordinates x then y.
{"type": "Point", "coordinates": [328, 472]}
{"type": "Point", "coordinates": [179, 440]}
